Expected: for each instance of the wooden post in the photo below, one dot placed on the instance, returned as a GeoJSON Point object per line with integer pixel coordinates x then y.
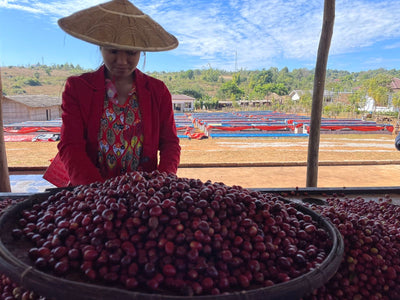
{"type": "Point", "coordinates": [318, 92]}
{"type": "Point", "coordinates": [4, 176]}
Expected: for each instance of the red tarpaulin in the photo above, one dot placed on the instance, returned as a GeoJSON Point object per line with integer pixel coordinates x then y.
{"type": "Point", "coordinates": [195, 135]}
{"type": "Point", "coordinates": [19, 138]}
{"type": "Point", "coordinates": [31, 129]}
{"type": "Point", "coordinates": [357, 128]}
{"type": "Point", "coordinates": [238, 128]}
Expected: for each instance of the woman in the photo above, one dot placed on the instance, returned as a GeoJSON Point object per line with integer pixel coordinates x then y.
{"type": "Point", "coordinates": [116, 119]}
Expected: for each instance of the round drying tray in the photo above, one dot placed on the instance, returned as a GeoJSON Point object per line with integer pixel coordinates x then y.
{"type": "Point", "coordinates": [15, 263]}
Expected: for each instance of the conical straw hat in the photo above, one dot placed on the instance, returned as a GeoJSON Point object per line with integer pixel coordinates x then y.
{"type": "Point", "coordinates": [118, 24]}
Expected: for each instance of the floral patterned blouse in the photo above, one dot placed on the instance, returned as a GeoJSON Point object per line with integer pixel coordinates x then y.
{"type": "Point", "coordinates": [121, 134]}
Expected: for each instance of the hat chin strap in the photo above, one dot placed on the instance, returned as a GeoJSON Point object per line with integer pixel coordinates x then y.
{"type": "Point", "coordinates": [144, 60]}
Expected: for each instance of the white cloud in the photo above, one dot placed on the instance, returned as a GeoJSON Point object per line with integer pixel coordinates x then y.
{"type": "Point", "coordinates": [19, 5]}
{"type": "Point", "coordinates": [393, 46]}
{"type": "Point", "coordinates": [260, 32]}
{"type": "Point", "coordinates": [361, 24]}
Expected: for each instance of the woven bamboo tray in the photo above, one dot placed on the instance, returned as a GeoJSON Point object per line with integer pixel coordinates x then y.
{"type": "Point", "coordinates": [15, 263]}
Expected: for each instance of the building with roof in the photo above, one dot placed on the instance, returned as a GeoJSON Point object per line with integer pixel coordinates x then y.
{"type": "Point", "coordinates": [295, 95]}
{"type": "Point", "coordinates": [18, 108]}
{"type": "Point", "coordinates": [395, 84]}
{"type": "Point", "coordinates": [182, 103]}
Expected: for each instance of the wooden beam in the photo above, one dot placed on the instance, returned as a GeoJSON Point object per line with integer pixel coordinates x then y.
{"type": "Point", "coordinates": [318, 92]}
{"type": "Point", "coordinates": [4, 176]}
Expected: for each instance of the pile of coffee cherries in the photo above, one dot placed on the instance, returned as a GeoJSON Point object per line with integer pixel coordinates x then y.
{"type": "Point", "coordinates": [370, 268]}
{"type": "Point", "coordinates": [154, 232]}
{"type": "Point", "coordinates": [5, 203]}
{"type": "Point", "coordinates": [9, 290]}
{"type": "Point", "coordinates": [371, 265]}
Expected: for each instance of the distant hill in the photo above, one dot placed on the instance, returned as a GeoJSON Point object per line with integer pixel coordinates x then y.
{"type": "Point", "coordinates": [36, 80]}
{"type": "Point", "coordinates": [207, 84]}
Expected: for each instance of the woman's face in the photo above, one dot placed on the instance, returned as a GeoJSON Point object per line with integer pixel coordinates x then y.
{"type": "Point", "coordinates": [120, 63]}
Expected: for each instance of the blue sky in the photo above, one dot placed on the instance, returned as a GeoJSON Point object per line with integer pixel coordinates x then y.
{"type": "Point", "coordinates": [221, 34]}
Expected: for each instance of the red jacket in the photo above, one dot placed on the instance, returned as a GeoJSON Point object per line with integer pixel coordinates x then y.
{"type": "Point", "coordinates": [82, 105]}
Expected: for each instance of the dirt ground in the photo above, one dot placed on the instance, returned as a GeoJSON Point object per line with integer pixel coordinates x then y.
{"type": "Point", "coordinates": [347, 160]}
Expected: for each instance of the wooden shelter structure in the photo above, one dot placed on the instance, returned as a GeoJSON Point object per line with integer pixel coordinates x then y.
{"type": "Point", "coordinates": [18, 108]}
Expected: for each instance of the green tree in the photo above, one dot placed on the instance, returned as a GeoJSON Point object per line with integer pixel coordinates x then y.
{"type": "Point", "coordinates": [211, 75]}
{"type": "Point", "coordinates": [396, 101]}
{"type": "Point", "coordinates": [193, 93]}
{"type": "Point", "coordinates": [48, 71]}
{"type": "Point", "coordinates": [357, 99]}
{"type": "Point", "coordinates": [260, 91]}
{"type": "Point", "coordinates": [206, 103]}
{"type": "Point", "coordinates": [334, 109]}
{"type": "Point", "coordinates": [378, 87]}
{"type": "Point", "coordinates": [189, 74]}
{"type": "Point", "coordinates": [305, 102]}
{"type": "Point", "coordinates": [16, 90]}
{"type": "Point", "coordinates": [260, 78]}
{"type": "Point", "coordinates": [236, 78]}
{"type": "Point", "coordinates": [32, 82]}
{"type": "Point", "coordinates": [275, 73]}
{"type": "Point", "coordinates": [302, 79]}
{"type": "Point", "coordinates": [230, 90]}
